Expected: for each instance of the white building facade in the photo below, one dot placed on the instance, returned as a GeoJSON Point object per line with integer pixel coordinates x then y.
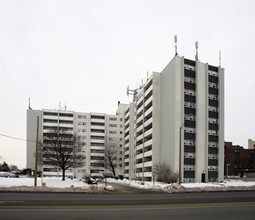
{"type": "Point", "coordinates": [179, 115]}
{"type": "Point", "coordinates": [94, 131]}
{"type": "Point", "coordinates": [177, 119]}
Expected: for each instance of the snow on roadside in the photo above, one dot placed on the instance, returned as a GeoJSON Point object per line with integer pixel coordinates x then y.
{"type": "Point", "coordinates": [190, 187]}
{"type": "Point", "coordinates": [52, 184]}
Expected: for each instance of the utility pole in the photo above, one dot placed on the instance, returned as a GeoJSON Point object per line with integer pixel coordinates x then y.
{"type": "Point", "coordinates": [36, 152]}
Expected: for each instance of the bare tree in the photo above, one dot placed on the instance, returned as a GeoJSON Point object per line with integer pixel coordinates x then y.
{"type": "Point", "coordinates": [111, 159]}
{"type": "Point", "coordinates": [164, 174]}
{"type": "Point", "coordinates": [60, 149]}
{"type": "Point", "coordinates": [4, 167]}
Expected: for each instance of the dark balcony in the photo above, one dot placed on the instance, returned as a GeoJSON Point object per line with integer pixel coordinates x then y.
{"type": "Point", "coordinates": [189, 174]}
{"type": "Point", "coordinates": [188, 111]}
{"type": "Point", "coordinates": [213, 102]}
{"type": "Point", "coordinates": [189, 161]}
{"type": "Point", "coordinates": [213, 79]}
{"type": "Point", "coordinates": [190, 98]}
{"type": "Point", "coordinates": [190, 124]}
{"type": "Point", "coordinates": [189, 85]}
{"type": "Point", "coordinates": [212, 162]}
{"type": "Point", "coordinates": [214, 127]}
{"type": "Point", "coordinates": [213, 114]}
{"type": "Point", "coordinates": [213, 150]}
{"type": "Point", "coordinates": [212, 175]}
{"type": "Point", "coordinates": [189, 149]}
{"type": "Point", "coordinates": [189, 73]}
{"type": "Point", "coordinates": [213, 91]}
{"type": "Point", "coordinates": [213, 138]}
{"type": "Point", "coordinates": [189, 136]}
{"type": "Point", "coordinates": [213, 68]}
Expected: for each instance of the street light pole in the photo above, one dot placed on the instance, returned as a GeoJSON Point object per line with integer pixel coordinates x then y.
{"type": "Point", "coordinates": [180, 154]}
{"type": "Point", "coordinates": [180, 151]}
{"type": "Point", "coordinates": [227, 170]}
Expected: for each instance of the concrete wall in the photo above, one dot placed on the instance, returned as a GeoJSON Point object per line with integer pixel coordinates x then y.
{"type": "Point", "coordinates": [201, 120]}
{"type": "Point", "coordinates": [221, 125]}
{"type": "Point", "coordinates": [156, 119]}
{"type": "Point", "coordinates": [31, 136]}
{"type": "Point", "coordinates": [171, 112]}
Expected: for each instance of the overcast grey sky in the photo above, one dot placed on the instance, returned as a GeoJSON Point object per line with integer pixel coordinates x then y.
{"type": "Point", "coordinates": [86, 53]}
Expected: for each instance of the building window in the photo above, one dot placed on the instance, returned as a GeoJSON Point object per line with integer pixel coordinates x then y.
{"type": "Point", "coordinates": [82, 116]}
{"type": "Point", "coordinates": [113, 125]}
{"type": "Point", "coordinates": [81, 123]}
{"type": "Point", "coordinates": [112, 119]}
{"type": "Point", "coordinates": [112, 132]}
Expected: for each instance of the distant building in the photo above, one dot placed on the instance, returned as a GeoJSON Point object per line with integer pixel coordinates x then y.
{"type": "Point", "coordinates": [93, 130]}
{"type": "Point", "coordinates": [251, 144]}
{"type": "Point", "coordinates": [238, 160]}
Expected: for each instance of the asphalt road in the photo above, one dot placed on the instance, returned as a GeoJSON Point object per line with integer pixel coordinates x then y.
{"type": "Point", "coordinates": [220, 205]}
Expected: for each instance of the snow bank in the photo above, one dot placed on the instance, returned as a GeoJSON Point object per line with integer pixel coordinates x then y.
{"type": "Point", "coordinates": [229, 185]}
{"type": "Point", "coordinates": [52, 184]}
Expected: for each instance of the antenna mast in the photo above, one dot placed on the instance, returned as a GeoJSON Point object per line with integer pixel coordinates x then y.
{"type": "Point", "coordinates": [220, 58]}
{"type": "Point", "coordinates": [196, 46]}
{"type": "Point", "coordinates": [29, 106]}
{"type": "Point", "coordinates": [175, 42]}
{"type": "Point", "coordinates": [133, 92]}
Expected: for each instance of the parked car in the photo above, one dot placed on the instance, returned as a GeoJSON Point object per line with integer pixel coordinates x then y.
{"type": "Point", "coordinates": [90, 180]}
{"type": "Point", "coordinates": [9, 174]}
{"type": "Point", "coordinates": [3, 174]}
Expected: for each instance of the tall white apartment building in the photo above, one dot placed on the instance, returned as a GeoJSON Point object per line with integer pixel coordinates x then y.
{"type": "Point", "coordinates": [179, 121]}
{"type": "Point", "coordinates": [94, 131]}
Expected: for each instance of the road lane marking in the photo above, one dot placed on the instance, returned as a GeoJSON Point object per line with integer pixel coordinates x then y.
{"type": "Point", "coordinates": [124, 208]}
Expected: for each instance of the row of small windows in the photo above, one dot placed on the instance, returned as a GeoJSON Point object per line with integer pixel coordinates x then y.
{"type": "Point", "coordinates": [110, 118]}
{"type": "Point", "coordinates": [110, 125]}
{"type": "Point", "coordinates": [56, 114]}
{"type": "Point", "coordinates": [82, 116]}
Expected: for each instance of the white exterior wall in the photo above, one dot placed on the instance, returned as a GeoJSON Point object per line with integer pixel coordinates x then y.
{"type": "Point", "coordinates": [31, 135]}
{"type": "Point", "coordinates": [82, 127]}
{"type": "Point", "coordinates": [221, 124]}
{"type": "Point", "coordinates": [251, 144]}
{"type": "Point", "coordinates": [156, 119]}
{"type": "Point", "coordinates": [201, 120]}
{"type": "Point", "coordinates": [129, 144]}
{"type": "Point", "coordinates": [171, 112]}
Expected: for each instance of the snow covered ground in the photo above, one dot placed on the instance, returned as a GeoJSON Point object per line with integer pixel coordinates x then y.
{"type": "Point", "coordinates": [57, 185]}
{"type": "Point", "coordinates": [191, 187]}
{"type": "Point", "coordinates": [50, 184]}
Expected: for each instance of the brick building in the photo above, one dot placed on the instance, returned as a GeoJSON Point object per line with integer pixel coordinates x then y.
{"type": "Point", "coordinates": [238, 160]}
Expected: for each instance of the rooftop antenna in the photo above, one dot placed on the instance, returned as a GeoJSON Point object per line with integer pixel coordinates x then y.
{"type": "Point", "coordinates": [65, 106]}
{"type": "Point", "coordinates": [196, 46]}
{"type": "Point", "coordinates": [175, 45]}
{"type": "Point", "coordinates": [29, 106]}
{"type": "Point", "coordinates": [219, 58]}
{"type": "Point", "coordinates": [147, 75]}
{"type": "Point", "coordinates": [133, 92]}
{"type": "Point", "coordinates": [59, 106]}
